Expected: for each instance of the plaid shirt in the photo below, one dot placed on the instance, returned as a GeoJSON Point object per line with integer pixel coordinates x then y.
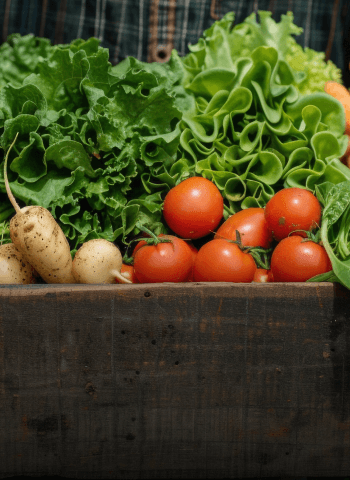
{"type": "Point", "coordinates": [149, 29]}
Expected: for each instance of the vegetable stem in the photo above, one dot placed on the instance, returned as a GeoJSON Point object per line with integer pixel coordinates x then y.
{"type": "Point", "coordinates": [7, 185]}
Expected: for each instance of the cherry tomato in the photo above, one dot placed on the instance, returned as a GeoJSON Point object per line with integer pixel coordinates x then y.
{"type": "Point", "coordinates": [194, 251]}
{"type": "Point", "coordinates": [221, 261]}
{"type": "Point", "coordinates": [262, 275]}
{"type": "Point", "coordinates": [251, 225]}
{"type": "Point", "coordinates": [164, 262]}
{"type": "Point", "coordinates": [138, 246]}
{"type": "Point", "coordinates": [292, 209]}
{"type": "Point", "coordinates": [193, 208]}
{"type": "Point", "coordinates": [128, 272]}
{"type": "Point", "coordinates": [296, 259]}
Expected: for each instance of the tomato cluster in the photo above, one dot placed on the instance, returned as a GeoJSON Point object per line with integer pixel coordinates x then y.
{"type": "Point", "coordinates": [275, 243]}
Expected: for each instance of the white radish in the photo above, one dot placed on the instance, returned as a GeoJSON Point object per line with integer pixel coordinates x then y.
{"type": "Point", "coordinates": [98, 261]}
{"type": "Point", "coordinates": [14, 268]}
{"type": "Point", "coordinates": [37, 235]}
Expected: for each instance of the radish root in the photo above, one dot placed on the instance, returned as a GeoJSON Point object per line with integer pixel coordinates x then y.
{"type": "Point", "coordinates": [120, 276]}
{"type": "Point", "coordinates": [7, 185]}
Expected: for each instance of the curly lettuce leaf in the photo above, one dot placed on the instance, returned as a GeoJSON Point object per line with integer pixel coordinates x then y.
{"type": "Point", "coordinates": [222, 45]}
{"type": "Point", "coordinates": [335, 230]}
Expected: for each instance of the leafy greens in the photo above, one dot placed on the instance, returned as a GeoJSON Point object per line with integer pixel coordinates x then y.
{"type": "Point", "coordinates": [335, 230]}
{"type": "Point", "coordinates": [100, 145]}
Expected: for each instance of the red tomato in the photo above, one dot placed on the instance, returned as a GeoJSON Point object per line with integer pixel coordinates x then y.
{"type": "Point", "coordinates": [252, 226]}
{"type": "Point", "coordinates": [138, 246]}
{"type": "Point", "coordinates": [292, 209]}
{"type": "Point", "coordinates": [142, 242]}
{"type": "Point", "coordinates": [193, 208]}
{"type": "Point", "coordinates": [296, 260]}
{"type": "Point", "coordinates": [222, 261]}
{"type": "Point", "coordinates": [128, 272]}
{"type": "Point", "coordinates": [194, 256]}
{"type": "Point", "coordinates": [164, 262]}
{"type": "Point", "coordinates": [262, 275]}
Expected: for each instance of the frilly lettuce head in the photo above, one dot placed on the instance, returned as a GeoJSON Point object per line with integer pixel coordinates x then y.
{"type": "Point", "coordinates": [224, 43]}
{"type": "Point", "coordinates": [247, 126]}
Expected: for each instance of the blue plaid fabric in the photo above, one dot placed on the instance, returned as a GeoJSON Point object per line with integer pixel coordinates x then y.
{"type": "Point", "coordinates": [148, 29]}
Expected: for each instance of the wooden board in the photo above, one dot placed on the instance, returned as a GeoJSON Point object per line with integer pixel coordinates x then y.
{"type": "Point", "coordinates": [175, 380]}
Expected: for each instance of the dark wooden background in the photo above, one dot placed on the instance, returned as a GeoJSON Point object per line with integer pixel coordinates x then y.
{"type": "Point", "coordinates": [175, 380]}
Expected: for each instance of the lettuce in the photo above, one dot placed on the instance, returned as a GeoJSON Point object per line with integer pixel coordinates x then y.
{"type": "Point", "coordinates": [335, 230]}
{"type": "Point", "coordinates": [101, 145]}
{"type": "Point", "coordinates": [316, 70]}
{"type": "Point", "coordinates": [82, 126]}
{"type": "Point", "coordinates": [222, 45]}
{"type": "Point", "coordinates": [250, 129]}
{"type": "Point", "coordinates": [19, 57]}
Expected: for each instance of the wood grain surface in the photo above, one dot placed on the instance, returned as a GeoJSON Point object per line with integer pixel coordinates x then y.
{"type": "Point", "coordinates": [211, 380]}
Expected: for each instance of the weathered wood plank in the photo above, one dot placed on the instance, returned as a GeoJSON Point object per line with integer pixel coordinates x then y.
{"type": "Point", "coordinates": [175, 380]}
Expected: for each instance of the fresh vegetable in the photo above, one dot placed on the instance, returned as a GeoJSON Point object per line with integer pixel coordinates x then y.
{"type": "Point", "coordinates": [335, 230]}
{"type": "Point", "coordinates": [81, 127]}
{"type": "Point", "coordinates": [225, 46]}
{"type": "Point", "coordinates": [262, 275]}
{"type": "Point", "coordinates": [221, 260]}
{"type": "Point", "coordinates": [252, 226]}
{"type": "Point", "coordinates": [100, 146]}
{"type": "Point", "coordinates": [14, 268]}
{"type": "Point", "coordinates": [193, 208]}
{"type": "Point", "coordinates": [38, 237]}
{"type": "Point", "coordinates": [345, 159]}
{"type": "Point", "coordinates": [20, 56]}
{"type": "Point", "coordinates": [98, 261]}
{"type": "Point", "coordinates": [297, 259]}
{"type": "Point", "coordinates": [141, 243]}
{"type": "Point", "coordinates": [292, 210]}
{"type": "Point", "coordinates": [4, 232]}
{"type": "Point", "coordinates": [194, 251]}
{"type": "Point", "coordinates": [310, 66]}
{"type": "Point", "coordinates": [338, 91]}
{"type": "Point", "coordinates": [127, 271]}
{"type": "Point", "coordinates": [104, 148]}
{"type": "Point", "coordinates": [162, 259]}
{"type": "Point", "coordinates": [249, 129]}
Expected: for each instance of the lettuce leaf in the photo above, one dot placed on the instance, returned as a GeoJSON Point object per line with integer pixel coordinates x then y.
{"type": "Point", "coordinates": [221, 46]}
{"type": "Point", "coordinates": [20, 56]}
{"type": "Point", "coordinates": [335, 230]}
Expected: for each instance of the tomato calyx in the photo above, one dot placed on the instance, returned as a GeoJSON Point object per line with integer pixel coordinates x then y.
{"type": "Point", "coordinates": [311, 236]}
{"type": "Point", "coordinates": [260, 255]}
{"type": "Point", "coordinates": [128, 260]}
{"type": "Point", "coordinates": [152, 239]}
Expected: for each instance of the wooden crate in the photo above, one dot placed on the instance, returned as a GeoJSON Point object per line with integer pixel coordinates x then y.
{"type": "Point", "coordinates": [175, 380]}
